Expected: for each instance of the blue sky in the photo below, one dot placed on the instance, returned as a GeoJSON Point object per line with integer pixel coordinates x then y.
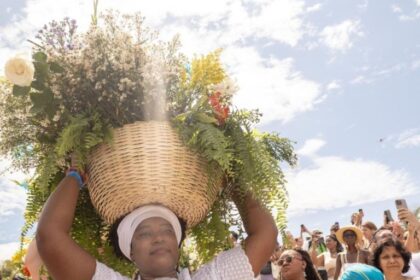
{"type": "Point", "coordinates": [340, 78]}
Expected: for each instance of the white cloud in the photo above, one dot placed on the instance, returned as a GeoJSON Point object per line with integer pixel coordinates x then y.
{"type": "Point", "coordinates": [363, 5]}
{"type": "Point", "coordinates": [333, 85]}
{"type": "Point", "coordinates": [226, 22]}
{"type": "Point", "coordinates": [415, 64]}
{"type": "Point", "coordinates": [408, 138]}
{"type": "Point", "coordinates": [7, 250]}
{"type": "Point", "coordinates": [340, 37]}
{"type": "Point", "coordinates": [389, 70]}
{"type": "Point", "coordinates": [311, 147]}
{"type": "Point", "coordinates": [314, 8]}
{"type": "Point", "coordinates": [361, 80]}
{"type": "Point", "coordinates": [396, 9]}
{"type": "Point", "coordinates": [12, 196]}
{"type": "Point", "coordinates": [333, 182]}
{"type": "Point", "coordinates": [271, 85]}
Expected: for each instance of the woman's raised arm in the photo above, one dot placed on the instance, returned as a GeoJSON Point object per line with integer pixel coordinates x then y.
{"type": "Point", "coordinates": [63, 258]}
{"type": "Point", "coordinates": [261, 230]}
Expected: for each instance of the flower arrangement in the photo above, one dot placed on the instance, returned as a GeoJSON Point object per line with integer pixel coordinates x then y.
{"type": "Point", "coordinates": [79, 86]}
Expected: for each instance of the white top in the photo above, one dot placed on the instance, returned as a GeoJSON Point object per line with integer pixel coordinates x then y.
{"type": "Point", "coordinates": [414, 270]}
{"type": "Point", "coordinates": [228, 265]}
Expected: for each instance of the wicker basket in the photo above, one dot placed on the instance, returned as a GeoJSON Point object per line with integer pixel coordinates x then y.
{"type": "Point", "coordinates": [148, 163]}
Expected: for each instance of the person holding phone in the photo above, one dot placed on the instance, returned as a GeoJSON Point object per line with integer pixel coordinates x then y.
{"type": "Point", "coordinates": [412, 224]}
{"type": "Point", "coordinates": [328, 259]}
{"type": "Point", "coordinates": [350, 237]}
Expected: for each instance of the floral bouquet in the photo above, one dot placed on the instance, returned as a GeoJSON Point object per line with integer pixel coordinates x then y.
{"type": "Point", "coordinates": [78, 87]}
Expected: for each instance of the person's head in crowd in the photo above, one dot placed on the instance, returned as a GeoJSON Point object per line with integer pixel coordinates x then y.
{"type": "Point", "coordinates": [368, 229]}
{"type": "Point", "coordinates": [296, 264]}
{"type": "Point", "coordinates": [392, 258]}
{"type": "Point", "coordinates": [298, 242]}
{"type": "Point", "coordinates": [334, 228]}
{"type": "Point", "coordinates": [362, 272]}
{"type": "Point", "coordinates": [350, 236]}
{"type": "Point", "coordinates": [383, 233]}
{"type": "Point", "coordinates": [332, 243]}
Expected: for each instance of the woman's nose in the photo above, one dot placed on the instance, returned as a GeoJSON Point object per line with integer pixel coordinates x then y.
{"type": "Point", "coordinates": [157, 237]}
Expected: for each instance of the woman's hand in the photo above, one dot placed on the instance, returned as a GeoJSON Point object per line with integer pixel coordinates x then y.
{"type": "Point", "coordinates": [407, 216]}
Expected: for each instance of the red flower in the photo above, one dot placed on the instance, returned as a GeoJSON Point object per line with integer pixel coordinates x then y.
{"type": "Point", "coordinates": [26, 271]}
{"type": "Point", "coordinates": [221, 112]}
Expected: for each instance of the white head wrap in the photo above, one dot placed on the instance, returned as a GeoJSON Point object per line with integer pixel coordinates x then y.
{"type": "Point", "coordinates": [129, 224]}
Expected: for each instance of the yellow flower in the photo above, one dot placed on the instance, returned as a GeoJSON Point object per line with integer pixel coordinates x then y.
{"type": "Point", "coordinates": [20, 70]}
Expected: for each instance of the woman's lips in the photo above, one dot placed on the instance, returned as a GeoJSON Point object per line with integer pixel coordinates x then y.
{"type": "Point", "coordinates": [158, 251]}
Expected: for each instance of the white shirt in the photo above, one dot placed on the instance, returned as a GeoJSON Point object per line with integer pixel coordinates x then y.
{"type": "Point", "coordinates": [414, 270]}
{"type": "Point", "coordinates": [228, 265]}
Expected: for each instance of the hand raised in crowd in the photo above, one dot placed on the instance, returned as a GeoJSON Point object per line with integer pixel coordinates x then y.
{"type": "Point", "coordinates": [397, 230]}
{"type": "Point", "coordinates": [406, 215]}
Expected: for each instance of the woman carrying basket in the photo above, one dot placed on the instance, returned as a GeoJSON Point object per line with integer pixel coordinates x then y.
{"type": "Point", "coordinates": [150, 237]}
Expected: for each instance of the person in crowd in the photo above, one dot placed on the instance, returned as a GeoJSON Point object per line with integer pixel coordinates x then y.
{"type": "Point", "coordinates": [328, 259]}
{"type": "Point", "coordinates": [385, 233]}
{"type": "Point", "coordinates": [334, 228]}
{"type": "Point", "coordinates": [368, 229]}
{"type": "Point", "coordinates": [298, 243]}
{"type": "Point", "coordinates": [357, 218]}
{"type": "Point", "coordinates": [150, 237]}
{"type": "Point", "coordinates": [350, 236]}
{"type": "Point", "coordinates": [411, 241]}
{"type": "Point", "coordinates": [392, 259]}
{"type": "Point", "coordinates": [362, 272]}
{"type": "Point", "coordinates": [297, 265]}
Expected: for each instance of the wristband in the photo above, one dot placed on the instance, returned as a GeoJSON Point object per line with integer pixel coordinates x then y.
{"type": "Point", "coordinates": [76, 175]}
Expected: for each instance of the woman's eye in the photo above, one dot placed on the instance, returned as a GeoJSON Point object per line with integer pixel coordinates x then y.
{"type": "Point", "coordinates": [144, 234]}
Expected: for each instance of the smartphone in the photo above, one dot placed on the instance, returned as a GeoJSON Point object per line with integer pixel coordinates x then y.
{"type": "Point", "coordinates": [401, 203]}
{"type": "Point", "coordinates": [337, 224]}
{"type": "Point", "coordinates": [388, 216]}
{"type": "Point", "coordinates": [361, 211]}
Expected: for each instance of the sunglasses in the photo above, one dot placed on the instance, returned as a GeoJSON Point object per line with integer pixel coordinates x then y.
{"type": "Point", "coordinates": [349, 235]}
{"type": "Point", "coordinates": [287, 259]}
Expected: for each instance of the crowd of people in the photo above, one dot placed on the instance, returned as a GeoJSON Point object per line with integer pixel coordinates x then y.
{"type": "Point", "coordinates": [361, 250]}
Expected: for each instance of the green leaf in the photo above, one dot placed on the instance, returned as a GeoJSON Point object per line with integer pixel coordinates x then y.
{"type": "Point", "coordinates": [40, 57]}
{"type": "Point", "coordinates": [41, 100]}
{"type": "Point", "coordinates": [56, 68]}
{"type": "Point", "coordinates": [36, 109]}
{"type": "Point", "coordinates": [204, 118]}
{"type": "Point", "coordinates": [38, 85]}
{"type": "Point", "coordinates": [41, 71]}
{"type": "Point", "coordinates": [20, 91]}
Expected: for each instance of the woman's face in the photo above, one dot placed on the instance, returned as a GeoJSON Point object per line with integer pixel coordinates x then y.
{"type": "Point", "coordinates": [391, 261]}
{"type": "Point", "coordinates": [330, 243]}
{"type": "Point", "coordinates": [349, 237]}
{"type": "Point", "coordinates": [154, 248]}
{"type": "Point", "coordinates": [292, 266]}
{"type": "Point", "coordinates": [368, 233]}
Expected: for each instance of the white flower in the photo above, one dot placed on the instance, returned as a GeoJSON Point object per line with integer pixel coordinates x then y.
{"type": "Point", "coordinates": [20, 70]}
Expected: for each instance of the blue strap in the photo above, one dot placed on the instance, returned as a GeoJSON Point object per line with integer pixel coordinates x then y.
{"type": "Point", "coordinates": [77, 176]}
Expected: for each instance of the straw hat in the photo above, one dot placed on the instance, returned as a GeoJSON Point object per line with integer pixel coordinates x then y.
{"type": "Point", "coordinates": [356, 230]}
